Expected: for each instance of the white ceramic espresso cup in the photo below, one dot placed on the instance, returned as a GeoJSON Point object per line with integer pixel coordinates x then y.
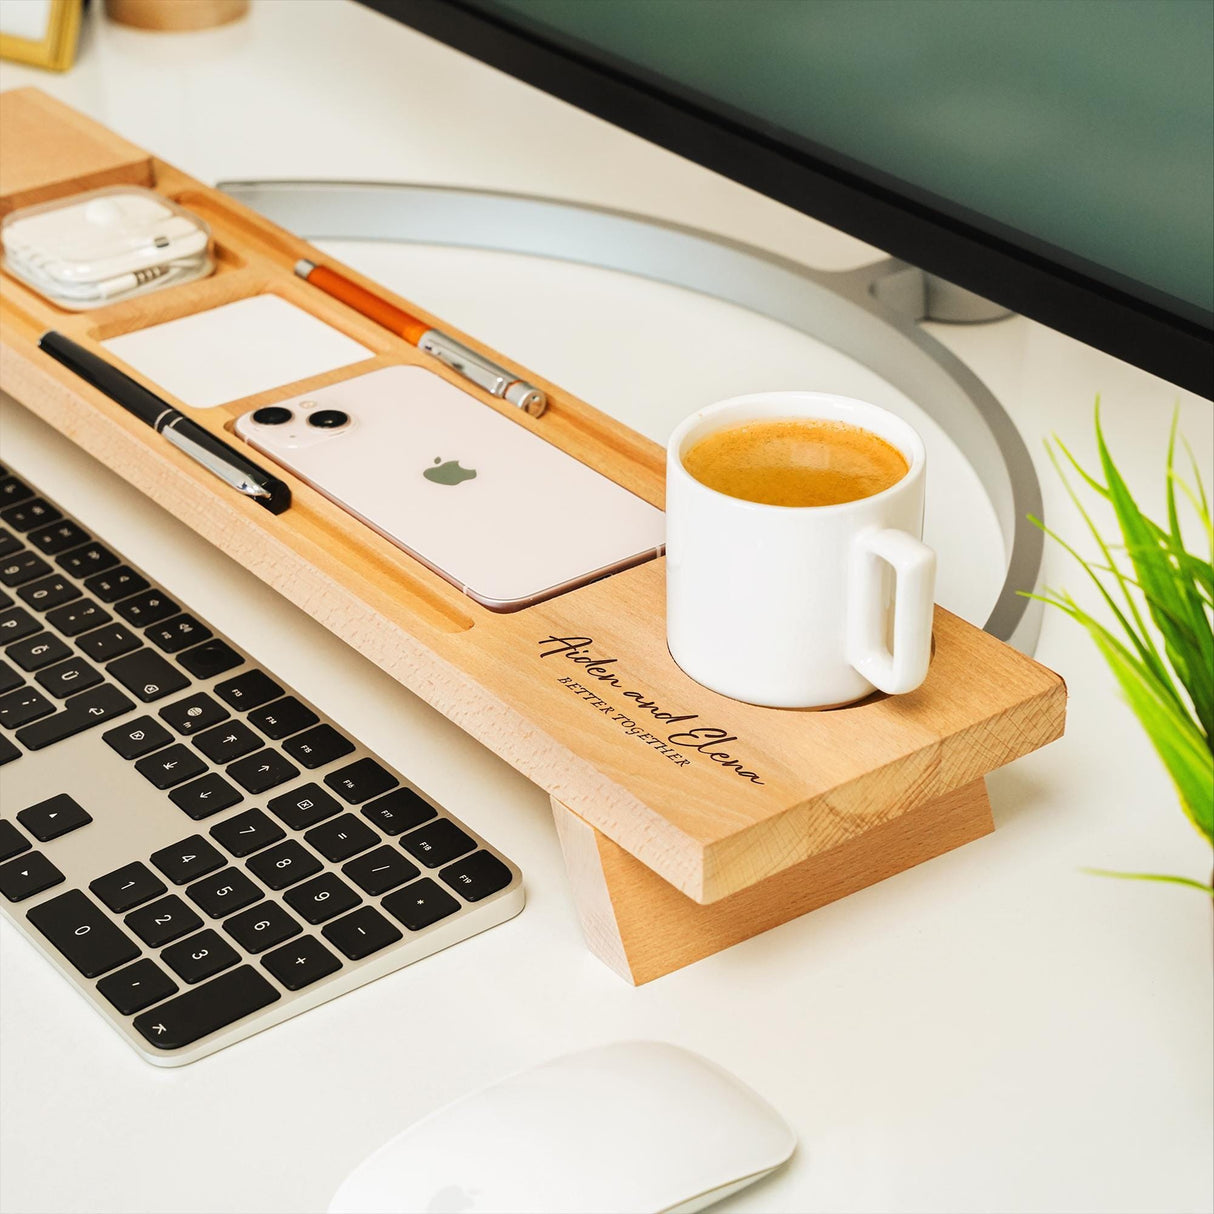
{"type": "Point", "coordinates": [798, 606]}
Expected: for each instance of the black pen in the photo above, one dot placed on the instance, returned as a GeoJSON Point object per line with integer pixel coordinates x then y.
{"type": "Point", "coordinates": [187, 436]}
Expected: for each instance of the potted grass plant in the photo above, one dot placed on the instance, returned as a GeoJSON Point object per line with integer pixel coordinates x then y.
{"type": "Point", "coordinates": [1159, 641]}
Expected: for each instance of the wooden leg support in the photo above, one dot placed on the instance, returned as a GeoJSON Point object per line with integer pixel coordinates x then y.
{"type": "Point", "coordinates": [643, 927]}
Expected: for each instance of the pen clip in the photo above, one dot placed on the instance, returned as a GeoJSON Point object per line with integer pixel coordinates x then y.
{"type": "Point", "coordinates": [466, 362]}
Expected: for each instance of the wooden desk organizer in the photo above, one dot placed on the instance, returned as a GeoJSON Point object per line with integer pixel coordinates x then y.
{"type": "Point", "coordinates": [689, 821]}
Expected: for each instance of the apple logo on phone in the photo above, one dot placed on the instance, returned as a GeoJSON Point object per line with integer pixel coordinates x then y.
{"type": "Point", "coordinates": [448, 472]}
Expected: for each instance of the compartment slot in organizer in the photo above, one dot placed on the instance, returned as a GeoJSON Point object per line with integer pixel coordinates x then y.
{"type": "Point", "coordinates": [61, 152]}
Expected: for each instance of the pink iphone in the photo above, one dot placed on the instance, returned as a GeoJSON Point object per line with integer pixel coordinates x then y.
{"type": "Point", "coordinates": [505, 516]}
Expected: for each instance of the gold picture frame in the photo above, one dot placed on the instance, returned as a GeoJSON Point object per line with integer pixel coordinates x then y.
{"type": "Point", "coordinates": [56, 49]}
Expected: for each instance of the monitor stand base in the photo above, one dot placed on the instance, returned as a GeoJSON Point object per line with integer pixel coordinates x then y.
{"type": "Point", "coordinates": [642, 927]}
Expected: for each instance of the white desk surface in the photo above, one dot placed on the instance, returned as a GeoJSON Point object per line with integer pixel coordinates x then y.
{"type": "Point", "coordinates": [994, 1030]}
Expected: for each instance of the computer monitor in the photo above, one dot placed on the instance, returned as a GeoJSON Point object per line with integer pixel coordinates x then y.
{"type": "Point", "coordinates": [1055, 157]}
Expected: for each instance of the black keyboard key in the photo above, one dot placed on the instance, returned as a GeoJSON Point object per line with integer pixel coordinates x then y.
{"type": "Point", "coordinates": [13, 490]}
{"type": "Point", "coordinates": [248, 832]}
{"type": "Point", "coordinates": [37, 651]}
{"type": "Point", "coordinates": [188, 859]}
{"type": "Point", "coordinates": [200, 956]}
{"type": "Point", "coordinates": [258, 772]}
{"type": "Point", "coordinates": [283, 718]}
{"type": "Point", "coordinates": [261, 927]}
{"type": "Point", "coordinates": [9, 678]}
{"type": "Point", "coordinates": [476, 876]}
{"type": "Point", "coordinates": [283, 865]}
{"type": "Point", "coordinates": [9, 544]}
{"type": "Point", "coordinates": [380, 870]}
{"type": "Point", "coordinates": [303, 806]}
{"type": "Point", "coordinates": [223, 892]}
{"type": "Point", "coordinates": [127, 887]}
{"type": "Point", "coordinates": [341, 838]}
{"type": "Point", "coordinates": [170, 766]}
{"type": "Point", "coordinates": [317, 746]}
{"type": "Point", "coordinates": [115, 584]}
{"type": "Point", "coordinates": [108, 642]}
{"type": "Point", "coordinates": [364, 932]}
{"type": "Point", "coordinates": [74, 618]}
{"type": "Point", "coordinates": [419, 905]}
{"type": "Point", "coordinates": [209, 659]}
{"type": "Point", "coordinates": [48, 592]}
{"type": "Point", "coordinates": [138, 986]}
{"type": "Point", "coordinates": [69, 677]}
{"type": "Point", "coordinates": [163, 921]}
{"type": "Point", "coordinates": [194, 713]}
{"type": "Point", "coordinates": [228, 742]}
{"type": "Point", "coordinates": [205, 796]}
{"type": "Point", "coordinates": [81, 712]}
{"type": "Point", "coordinates": [147, 674]}
{"type": "Point", "coordinates": [28, 875]}
{"type": "Point", "coordinates": [360, 780]}
{"type": "Point", "coordinates": [33, 512]}
{"type": "Point", "coordinates": [138, 737]}
{"type": "Point", "coordinates": [301, 963]}
{"type": "Point", "coordinates": [53, 817]}
{"type": "Point", "coordinates": [18, 707]}
{"type": "Point", "coordinates": [148, 608]}
{"type": "Point", "coordinates": [439, 843]}
{"type": "Point", "coordinates": [82, 932]}
{"type": "Point", "coordinates": [177, 633]}
{"type": "Point", "coordinates": [16, 624]}
{"type": "Point", "coordinates": [319, 900]}
{"type": "Point", "coordinates": [22, 567]}
{"type": "Point", "coordinates": [8, 752]}
{"type": "Point", "coordinates": [90, 558]}
{"type": "Point", "coordinates": [58, 537]}
{"type": "Point", "coordinates": [402, 809]}
{"type": "Point", "coordinates": [206, 1009]}
{"type": "Point", "coordinates": [248, 690]}
{"type": "Point", "coordinates": [12, 841]}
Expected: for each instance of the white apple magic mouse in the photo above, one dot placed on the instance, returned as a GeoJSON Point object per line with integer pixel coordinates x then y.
{"type": "Point", "coordinates": [638, 1127]}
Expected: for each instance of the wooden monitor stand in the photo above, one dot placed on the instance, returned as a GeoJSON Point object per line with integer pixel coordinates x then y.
{"type": "Point", "coordinates": [672, 854]}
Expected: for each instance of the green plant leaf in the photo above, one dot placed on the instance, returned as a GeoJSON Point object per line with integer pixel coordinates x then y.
{"type": "Point", "coordinates": [1169, 683]}
{"type": "Point", "coordinates": [1150, 566]}
{"type": "Point", "coordinates": [1109, 872]}
{"type": "Point", "coordinates": [1175, 736]}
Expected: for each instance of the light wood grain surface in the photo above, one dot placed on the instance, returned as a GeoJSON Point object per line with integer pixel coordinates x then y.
{"type": "Point", "coordinates": [579, 693]}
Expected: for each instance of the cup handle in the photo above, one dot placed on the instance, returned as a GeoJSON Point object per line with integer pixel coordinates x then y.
{"type": "Point", "coordinates": [903, 666]}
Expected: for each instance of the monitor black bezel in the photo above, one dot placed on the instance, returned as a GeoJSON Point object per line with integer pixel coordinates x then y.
{"type": "Point", "coordinates": [1167, 338]}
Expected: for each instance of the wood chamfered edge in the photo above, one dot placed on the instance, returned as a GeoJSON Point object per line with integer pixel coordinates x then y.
{"type": "Point", "coordinates": [642, 927]}
{"type": "Point", "coordinates": [827, 777]}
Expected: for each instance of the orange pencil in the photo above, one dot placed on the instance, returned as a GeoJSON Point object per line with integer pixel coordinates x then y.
{"type": "Point", "coordinates": [495, 380]}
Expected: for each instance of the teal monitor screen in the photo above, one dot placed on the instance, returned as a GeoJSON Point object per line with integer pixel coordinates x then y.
{"type": "Point", "coordinates": [1056, 156]}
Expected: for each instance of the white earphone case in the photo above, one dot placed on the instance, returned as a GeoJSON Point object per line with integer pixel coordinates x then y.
{"type": "Point", "coordinates": [104, 246]}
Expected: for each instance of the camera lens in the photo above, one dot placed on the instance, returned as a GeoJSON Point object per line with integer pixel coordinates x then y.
{"type": "Point", "coordinates": [272, 415]}
{"type": "Point", "coordinates": [328, 419]}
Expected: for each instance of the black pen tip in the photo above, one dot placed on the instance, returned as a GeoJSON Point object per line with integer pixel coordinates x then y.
{"type": "Point", "coordinates": [279, 498]}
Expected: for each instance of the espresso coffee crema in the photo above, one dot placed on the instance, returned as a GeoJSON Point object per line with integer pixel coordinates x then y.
{"type": "Point", "coordinates": [796, 462]}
